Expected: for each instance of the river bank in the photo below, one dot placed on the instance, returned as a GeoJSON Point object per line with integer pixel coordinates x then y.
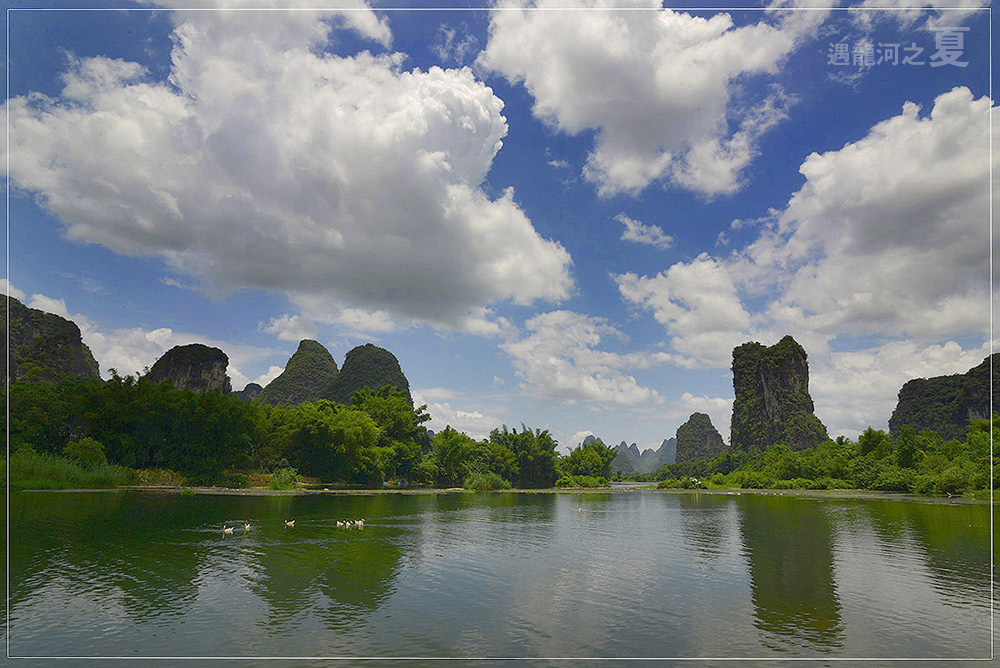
{"type": "Point", "coordinates": [427, 491]}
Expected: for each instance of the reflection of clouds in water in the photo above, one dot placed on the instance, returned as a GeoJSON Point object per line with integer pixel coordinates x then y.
{"type": "Point", "coordinates": [893, 591]}
{"type": "Point", "coordinates": [632, 574]}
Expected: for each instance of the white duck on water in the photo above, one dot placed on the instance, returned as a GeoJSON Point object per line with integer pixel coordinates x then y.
{"type": "Point", "coordinates": [289, 523]}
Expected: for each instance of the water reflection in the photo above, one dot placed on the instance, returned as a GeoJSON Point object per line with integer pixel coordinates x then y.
{"type": "Point", "coordinates": [704, 523]}
{"type": "Point", "coordinates": [626, 574]}
{"type": "Point", "coordinates": [789, 544]}
{"type": "Point", "coordinates": [954, 544]}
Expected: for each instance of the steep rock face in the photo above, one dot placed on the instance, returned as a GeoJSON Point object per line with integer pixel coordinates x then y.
{"type": "Point", "coordinates": [193, 367]}
{"type": "Point", "coordinates": [668, 451]}
{"type": "Point", "coordinates": [367, 366]}
{"type": "Point", "coordinates": [308, 372]}
{"type": "Point", "coordinates": [698, 439]}
{"type": "Point", "coordinates": [249, 393]}
{"type": "Point", "coordinates": [44, 346]}
{"type": "Point", "coordinates": [945, 404]}
{"type": "Point", "coordinates": [623, 460]}
{"type": "Point", "coordinates": [772, 397]}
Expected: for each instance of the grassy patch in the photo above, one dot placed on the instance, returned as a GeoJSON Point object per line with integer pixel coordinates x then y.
{"type": "Point", "coordinates": [486, 481]}
{"type": "Point", "coordinates": [33, 470]}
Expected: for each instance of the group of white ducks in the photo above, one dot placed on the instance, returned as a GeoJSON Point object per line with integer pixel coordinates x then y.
{"type": "Point", "coordinates": [246, 527]}
{"type": "Point", "coordinates": [346, 524]}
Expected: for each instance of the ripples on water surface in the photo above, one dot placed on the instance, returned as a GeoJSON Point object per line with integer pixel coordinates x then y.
{"type": "Point", "coordinates": [502, 574]}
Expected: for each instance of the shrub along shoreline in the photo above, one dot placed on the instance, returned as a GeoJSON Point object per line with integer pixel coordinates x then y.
{"type": "Point", "coordinates": [88, 433]}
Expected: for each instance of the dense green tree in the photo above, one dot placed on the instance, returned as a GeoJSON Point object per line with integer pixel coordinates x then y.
{"type": "Point", "coordinates": [535, 452]}
{"type": "Point", "coordinates": [401, 428]}
{"type": "Point", "coordinates": [453, 455]}
{"type": "Point", "coordinates": [337, 443]}
{"type": "Point", "coordinates": [589, 459]}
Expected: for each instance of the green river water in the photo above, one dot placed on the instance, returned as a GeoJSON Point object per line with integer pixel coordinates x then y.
{"type": "Point", "coordinates": [628, 574]}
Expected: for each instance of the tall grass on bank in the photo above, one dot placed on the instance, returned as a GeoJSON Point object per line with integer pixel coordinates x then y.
{"type": "Point", "coordinates": [485, 480]}
{"type": "Point", "coordinates": [34, 470]}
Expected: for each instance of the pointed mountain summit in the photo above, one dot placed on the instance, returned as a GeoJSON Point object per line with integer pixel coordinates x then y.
{"type": "Point", "coordinates": [308, 372]}
{"type": "Point", "coordinates": [698, 439]}
{"type": "Point", "coordinates": [367, 366]}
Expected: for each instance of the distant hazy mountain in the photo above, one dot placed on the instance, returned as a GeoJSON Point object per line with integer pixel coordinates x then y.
{"type": "Point", "coordinates": [629, 460]}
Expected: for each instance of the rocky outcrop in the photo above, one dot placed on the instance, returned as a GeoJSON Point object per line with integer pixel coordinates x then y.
{"type": "Point", "coordinates": [945, 404]}
{"type": "Point", "coordinates": [668, 451]}
{"type": "Point", "coordinates": [698, 439]}
{"type": "Point", "coordinates": [307, 374]}
{"type": "Point", "coordinates": [193, 367]}
{"type": "Point", "coordinates": [44, 346]}
{"type": "Point", "coordinates": [249, 393]}
{"type": "Point", "coordinates": [367, 366]}
{"type": "Point", "coordinates": [772, 402]}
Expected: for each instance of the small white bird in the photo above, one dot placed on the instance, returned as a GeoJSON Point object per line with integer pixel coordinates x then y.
{"type": "Point", "coordinates": [340, 524]}
{"type": "Point", "coordinates": [289, 523]}
{"type": "Point", "coordinates": [361, 523]}
{"type": "Point", "coordinates": [226, 529]}
{"type": "Point", "coordinates": [246, 526]}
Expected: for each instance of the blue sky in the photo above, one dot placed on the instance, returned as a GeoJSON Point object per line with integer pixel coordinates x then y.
{"type": "Point", "coordinates": [561, 218]}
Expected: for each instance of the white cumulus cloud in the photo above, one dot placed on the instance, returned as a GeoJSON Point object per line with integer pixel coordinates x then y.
{"type": "Point", "coordinates": [640, 233]}
{"type": "Point", "coordinates": [656, 86]}
{"type": "Point", "coordinates": [558, 358]}
{"type": "Point", "coordinates": [264, 162]}
{"type": "Point", "coordinates": [291, 328]}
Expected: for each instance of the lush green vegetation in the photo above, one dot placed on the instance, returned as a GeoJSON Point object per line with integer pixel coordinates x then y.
{"type": "Point", "coordinates": [84, 432]}
{"type": "Point", "coordinates": [308, 372]}
{"type": "Point", "coordinates": [922, 463]}
{"type": "Point", "coordinates": [943, 403]}
{"type": "Point", "coordinates": [698, 438]}
{"type": "Point", "coordinates": [39, 470]}
{"type": "Point", "coordinates": [581, 481]}
{"type": "Point", "coordinates": [367, 366]}
{"type": "Point", "coordinates": [284, 478]}
{"type": "Point", "coordinates": [486, 480]}
{"type": "Point", "coordinates": [212, 438]}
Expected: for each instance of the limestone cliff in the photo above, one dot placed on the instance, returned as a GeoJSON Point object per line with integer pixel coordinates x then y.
{"type": "Point", "coordinates": [44, 346]}
{"type": "Point", "coordinates": [194, 367]}
{"type": "Point", "coordinates": [945, 404]}
{"type": "Point", "coordinates": [772, 403]}
{"type": "Point", "coordinates": [698, 439]}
